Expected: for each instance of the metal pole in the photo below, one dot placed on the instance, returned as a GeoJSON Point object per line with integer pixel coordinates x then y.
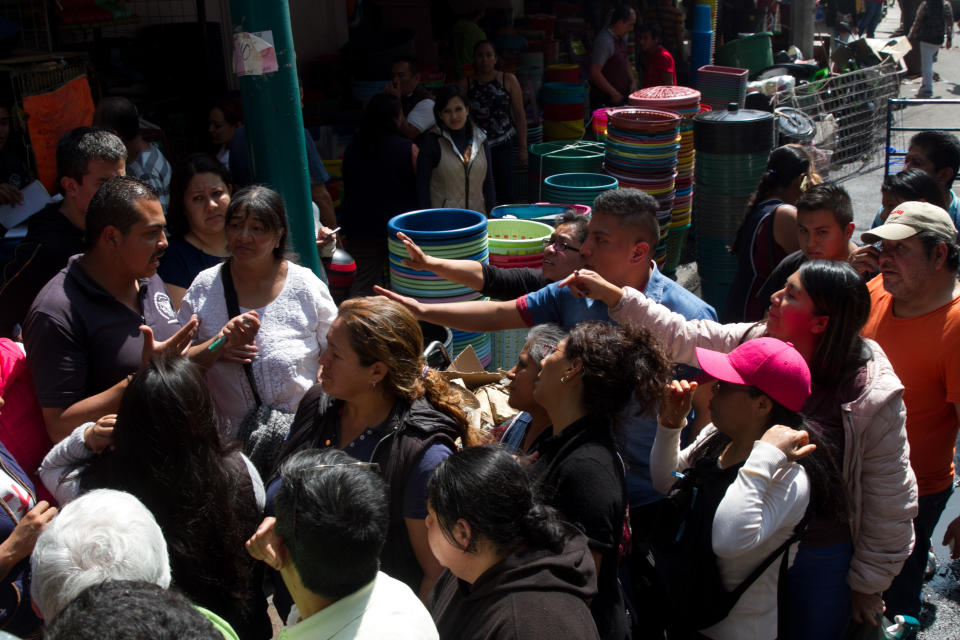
{"type": "Point", "coordinates": [274, 123]}
{"type": "Point", "coordinates": [801, 25]}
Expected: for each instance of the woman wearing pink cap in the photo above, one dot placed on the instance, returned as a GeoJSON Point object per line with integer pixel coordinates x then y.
{"type": "Point", "coordinates": [753, 492]}
{"type": "Point", "coordinates": [845, 562]}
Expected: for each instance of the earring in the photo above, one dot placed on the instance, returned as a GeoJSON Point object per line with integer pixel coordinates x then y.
{"type": "Point", "coordinates": [563, 379]}
{"type": "Point", "coordinates": [373, 385]}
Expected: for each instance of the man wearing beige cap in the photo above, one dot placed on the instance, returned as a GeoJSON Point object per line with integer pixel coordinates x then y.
{"type": "Point", "coordinates": [915, 316]}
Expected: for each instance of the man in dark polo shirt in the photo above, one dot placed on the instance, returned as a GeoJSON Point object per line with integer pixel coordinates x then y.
{"type": "Point", "coordinates": [96, 321]}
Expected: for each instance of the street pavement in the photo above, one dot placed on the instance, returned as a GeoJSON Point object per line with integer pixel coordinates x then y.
{"type": "Point", "coordinates": [940, 619]}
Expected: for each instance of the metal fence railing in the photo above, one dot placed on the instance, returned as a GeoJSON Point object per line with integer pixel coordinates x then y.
{"type": "Point", "coordinates": [850, 111]}
{"type": "Point", "coordinates": [899, 129]}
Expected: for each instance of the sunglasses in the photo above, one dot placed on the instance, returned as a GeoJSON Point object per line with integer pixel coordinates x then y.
{"type": "Point", "coordinates": [299, 487]}
{"type": "Point", "coordinates": [559, 245]}
{"type": "Point", "coordinates": [730, 387]}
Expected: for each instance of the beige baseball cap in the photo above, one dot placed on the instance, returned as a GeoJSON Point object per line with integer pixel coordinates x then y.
{"type": "Point", "coordinates": [909, 219]}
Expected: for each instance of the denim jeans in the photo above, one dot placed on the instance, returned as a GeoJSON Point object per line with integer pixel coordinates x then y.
{"type": "Point", "coordinates": [817, 582]}
{"type": "Point", "coordinates": [927, 51]}
{"type": "Point", "coordinates": [903, 596]}
{"type": "Point", "coordinates": [871, 18]}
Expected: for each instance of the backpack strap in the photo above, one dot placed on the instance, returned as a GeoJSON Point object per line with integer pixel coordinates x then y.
{"type": "Point", "coordinates": [233, 310]}
{"type": "Point", "coordinates": [783, 552]}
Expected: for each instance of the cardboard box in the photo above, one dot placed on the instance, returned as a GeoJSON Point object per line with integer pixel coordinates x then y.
{"type": "Point", "coordinates": [467, 367]}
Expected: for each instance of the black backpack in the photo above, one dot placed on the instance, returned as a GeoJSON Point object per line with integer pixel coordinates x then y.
{"type": "Point", "coordinates": [682, 566]}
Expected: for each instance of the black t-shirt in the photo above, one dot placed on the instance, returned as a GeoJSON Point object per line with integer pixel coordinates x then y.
{"type": "Point", "coordinates": [581, 475]}
{"type": "Point", "coordinates": [182, 261]}
{"type": "Point", "coordinates": [509, 284]}
{"type": "Point", "coordinates": [80, 340]}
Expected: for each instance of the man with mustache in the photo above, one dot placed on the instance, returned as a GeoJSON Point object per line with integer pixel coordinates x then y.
{"type": "Point", "coordinates": [95, 322]}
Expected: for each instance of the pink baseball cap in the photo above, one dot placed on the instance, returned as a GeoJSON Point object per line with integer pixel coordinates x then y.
{"type": "Point", "coordinates": [772, 366]}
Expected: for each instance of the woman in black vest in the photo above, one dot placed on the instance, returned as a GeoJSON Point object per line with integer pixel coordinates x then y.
{"type": "Point", "coordinates": [378, 401]}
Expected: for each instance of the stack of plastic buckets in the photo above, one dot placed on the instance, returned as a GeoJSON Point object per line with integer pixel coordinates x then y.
{"type": "Point", "coordinates": [732, 150]}
{"type": "Point", "coordinates": [550, 158]}
{"type": "Point", "coordinates": [543, 212]}
{"type": "Point", "coordinates": [719, 86]}
{"type": "Point", "coordinates": [563, 110]}
{"type": "Point", "coordinates": [514, 244]}
{"type": "Point", "coordinates": [685, 102]}
{"type": "Point", "coordinates": [458, 234]}
{"type": "Point", "coordinates": [642, 147]}
{"type": "Point", "coordinates": [577, 188]}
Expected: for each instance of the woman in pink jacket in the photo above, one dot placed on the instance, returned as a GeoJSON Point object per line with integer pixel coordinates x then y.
{"type": "Point", "coordinates": [844, 564]}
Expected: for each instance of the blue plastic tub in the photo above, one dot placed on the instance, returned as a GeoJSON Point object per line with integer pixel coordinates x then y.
{"type": "Point", "coordinates": [439, 224]}
{"type": "Point", "coordinates": [581, 182]}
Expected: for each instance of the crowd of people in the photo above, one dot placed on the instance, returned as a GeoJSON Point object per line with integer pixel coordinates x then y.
{"type": "Point", "coordinates": [192, 424]}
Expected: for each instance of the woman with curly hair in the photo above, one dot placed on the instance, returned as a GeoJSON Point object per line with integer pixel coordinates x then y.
{"type": "Point", "coordinates": [586, 380]}
{"type": "Point", "coordinates": [378, 401]}
{"type": "Point", "coordinates": [162, 446]}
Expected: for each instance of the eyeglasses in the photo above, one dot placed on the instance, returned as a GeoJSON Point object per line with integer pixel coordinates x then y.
{"type": "Point", "coordinates": [559, 245]}
{"type": "Point", "coordinates": [299, 486]}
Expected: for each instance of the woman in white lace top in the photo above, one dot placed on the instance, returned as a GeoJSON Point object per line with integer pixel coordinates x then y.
{"type": "Point", "coordinates": [284, 314]}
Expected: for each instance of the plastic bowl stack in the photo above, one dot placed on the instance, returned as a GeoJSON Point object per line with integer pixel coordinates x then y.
{"type": "Point", "coordinates": [563, 110]}
{"type": "Point", "coordinates": [514, 244]}
{"type": "Point", "coordinates": [551, 158]}
{"type": "Point", "coordinates": [642, 147]}
{"type": "Point", "coordinates": [542, 212]}
{"type": "Point", "coordinates": [577, 188]}
{"type": "Point", "coordinates": [719, 86]}
{"type": "Point", "coordinates": [732, 150]}
{"type": "Point", "coordinates": [458, 234]}
{"type": "Point", "coordinates": [685, 102]}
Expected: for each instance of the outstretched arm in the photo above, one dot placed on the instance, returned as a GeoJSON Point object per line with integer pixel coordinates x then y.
{"type": "Point", "coordinates": [469, 273]}
{"type": "Point", "coordinates": [463, 316]}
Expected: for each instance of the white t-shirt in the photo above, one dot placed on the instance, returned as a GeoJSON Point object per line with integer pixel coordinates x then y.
{"type": "Point", "coordinates": [421, 116]}
{"type": "Point", "coordinates": [293, 330]}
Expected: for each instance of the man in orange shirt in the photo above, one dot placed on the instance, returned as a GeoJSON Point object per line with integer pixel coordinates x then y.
{"type": "Point", "coordinates": [915, 316]}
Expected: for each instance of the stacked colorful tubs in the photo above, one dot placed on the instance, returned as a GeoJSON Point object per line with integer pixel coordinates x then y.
{"type": "Point", "coordinates": [719, 86]}
{"type": "Point", "coordinates": [641, 152]}
{"type": "Point", "coordinates": [576, 188]}
{"type": "Point", "coordinates": [732, 150]}
{"type": "Point", "coordinates": [514, 244]}
{"type": "Point", "coordinates": [550, 158]}
{"type": "Point", "coordinates": [542, 212]}
{"type": "Point", "coordinates": [449, 233]}
{"type": "Point", "coordinates": [563, 110]}
{"type": "Point", "coordinates": [685, 102]}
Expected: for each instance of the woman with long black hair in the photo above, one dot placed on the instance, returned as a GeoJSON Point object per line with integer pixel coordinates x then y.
{"type": "Point", "coordinates": [845, 561]}
{"type": "Point", "coordinates": [163, 447]}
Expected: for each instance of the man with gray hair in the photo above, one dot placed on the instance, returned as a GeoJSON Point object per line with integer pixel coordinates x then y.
{"type": "Point", "coordinates": [102, 535]}
{"type": "Point", "coordinates": [86, 158]}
